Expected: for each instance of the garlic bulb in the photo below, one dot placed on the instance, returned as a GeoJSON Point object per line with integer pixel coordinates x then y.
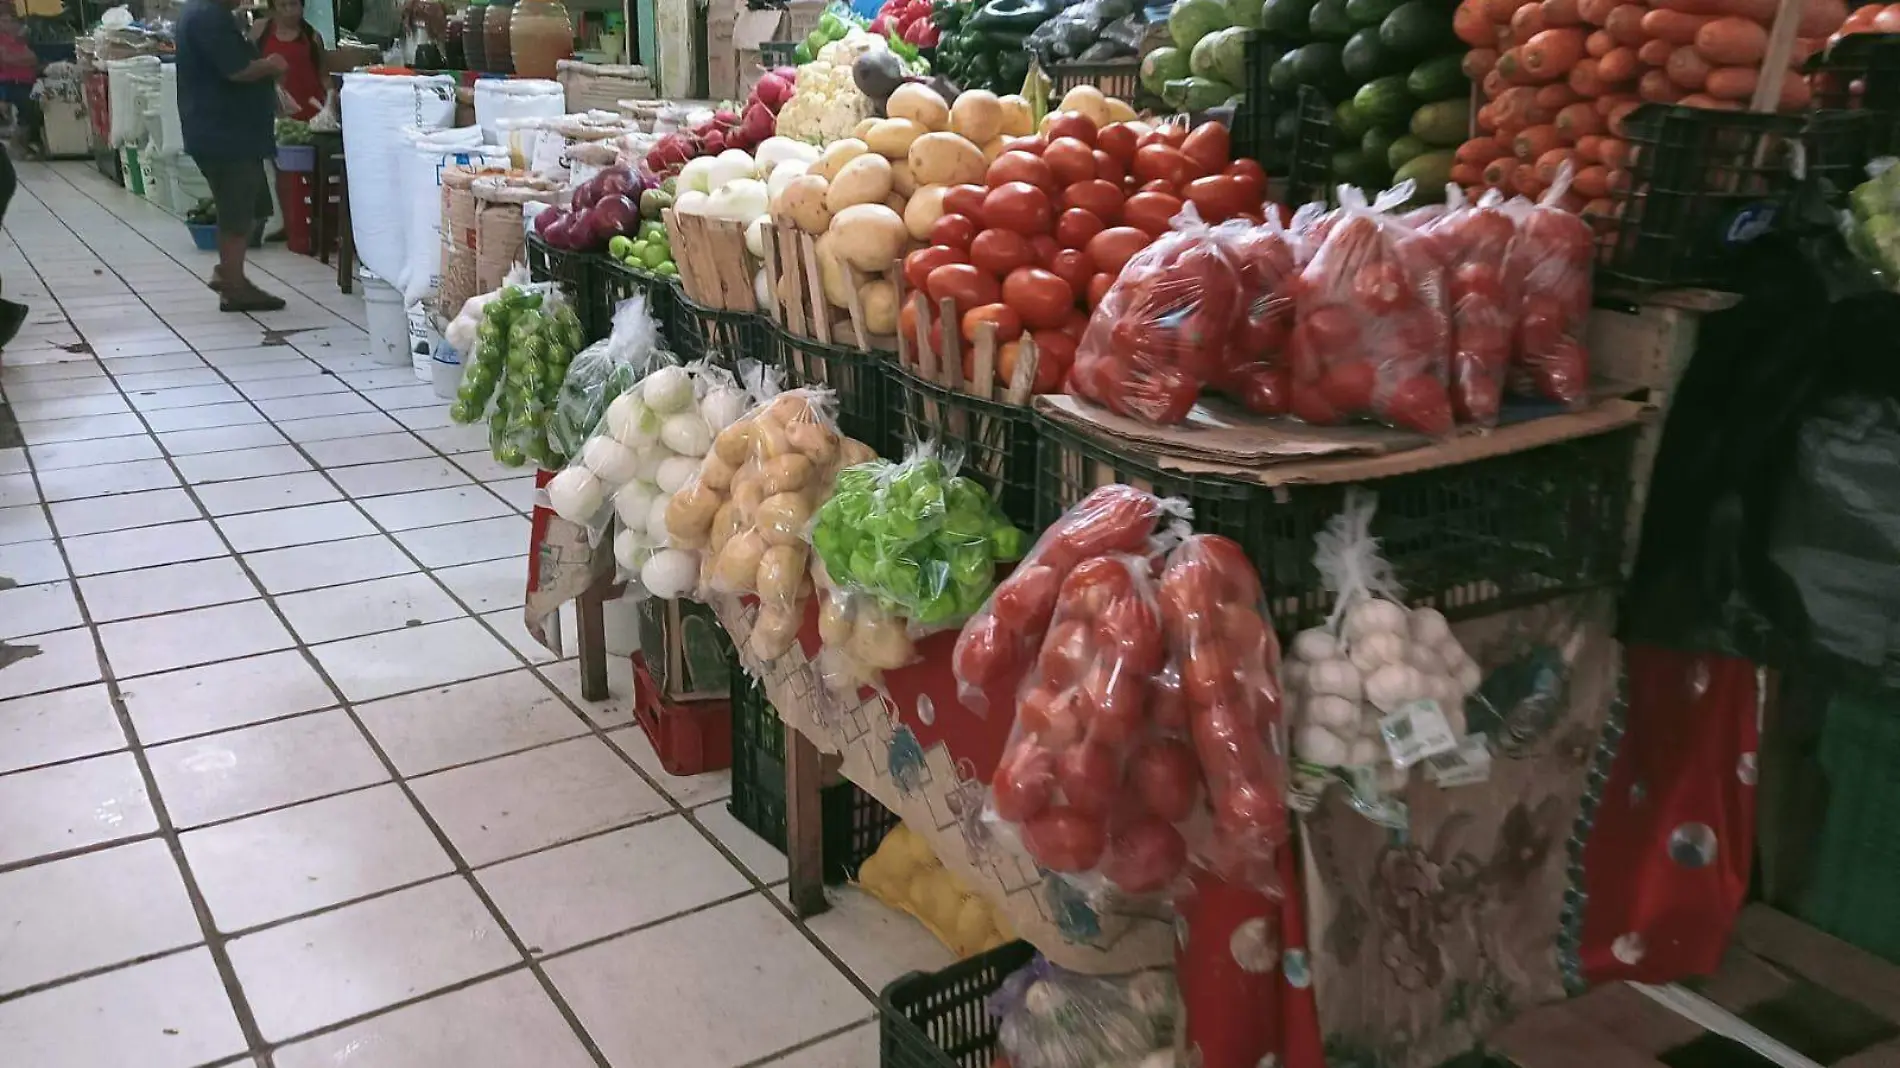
{"type": "Point", "coordinates": [1364, 751]}
{"type": "Point", "coordinates": [1314, 645]}
{"type": "Point", "coordinates": [1336, 714]}
{"type": "Point", "coordinates": [1320, 746]}
{"type": "Point", "coordinates": [1373, 616]}
{"type": "Point", "coordinates": [1428, 627]}
{"type": "Point", "coordinates": [1377, 648]}
{"type": "Point", "coordinates": [1393, 685]}
{"type": "Point", "coordinates": [1337, 677]}
{"type": "Point", "coordinates": [1426, 659]}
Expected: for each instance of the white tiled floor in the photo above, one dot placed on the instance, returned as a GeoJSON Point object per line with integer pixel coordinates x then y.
{"type": "Point", "coordinates": [282, 778]}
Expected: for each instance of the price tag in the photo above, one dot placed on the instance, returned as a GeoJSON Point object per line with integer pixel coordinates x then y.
{"type": "Point", "coordinates": [1466, 765]}
{"type": "Point", "coordinates": [1416, 731]}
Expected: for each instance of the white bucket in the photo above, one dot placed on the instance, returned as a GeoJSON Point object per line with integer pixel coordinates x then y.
{"type": "Point", "coordinates": [445, 370]}
{"type": "Point", "coordinates": [422, 339]}
{"type": "Point", "coordinates": [388, 326]}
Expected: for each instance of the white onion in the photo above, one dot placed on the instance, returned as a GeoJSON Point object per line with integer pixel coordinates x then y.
{"type": "Point", "coordinates": [633, 502]}
{"type": "Point", "coordinates": [667, 390]}
{"type": "Point", "coordinates": [631, 422]}
{"type": "Point", "coordinates": [686, 434]}
{"type": "Point", "coordinates": [669, 573]}
{"type": "Point", "coordinates": [613, 462]}
{"type": "Point", "coordinates": [723, 407]}
{"type": "Point", "coordinates": [656, 518]}
{"type": "Point", "coordinates": [675, 472]}
{"type": "Point", "coordinates": [575, 494]}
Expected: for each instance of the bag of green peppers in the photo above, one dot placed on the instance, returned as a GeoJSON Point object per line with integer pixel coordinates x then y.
{"type": "Point", "coordinates": [527, 337]}
{"type": "Point", "coordinates": [920, 538]}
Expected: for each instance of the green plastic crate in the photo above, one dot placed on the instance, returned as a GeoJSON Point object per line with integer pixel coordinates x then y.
{"type": "Point", "coordinates": [1855, 882]}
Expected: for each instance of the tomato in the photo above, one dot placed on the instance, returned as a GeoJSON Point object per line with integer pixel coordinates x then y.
{"type": "Point", "coordinates": [1159, 185]}
{"type": "Point", "coordinates": [983, 652]}
{"type": "Point", "coordinates": [1118, 140]}
{"type": "Point", "coordinates": [1009, 325]}
{"type": "Point", "coordinates": [1103, 199]}
{"type": "Point", "coordinates": [1040, 297]}
{"type": "Point", "coordinates": [1170, 134]}
{"type": "Point", "coordinates": [1018, 206]}
{"type": "Point", "coordinates": [1167, 704]}
{"type": "Point", "coordinates": [1098, 288]}
{"type": "Point", "coordinates": [1096, 582]}
{"type": "Point", "coordinates": [1067, 651]}
{"type": "Point", "coordinates": [1046, 248]}
{"type": "Point", "coordinates": [953, 231]}
{"type": "Point", "coordinates": [1129, 630]}
{"type": "Point", "coordinates": [1219, 197]}
{"type": "Point", "coordinates": [1001, 251]}
{"type": "Point", "coordinates": [1420, 404]}
{"type": "Point", "coordinates": [1070, 160]}
{"type": "Point", "coordinates": [1027, 598]}
{"type": "Point", "coordinates": [1078, 323]}
{"type": "Point", "coordinates": [1075, 226]}
{"type": "Point", "coordinates": [1151, 212]}
{"type": "Point", "coordinates": [1113, 698]}
{"type": "Point", "coordinates": [1160, 163]}
{"type": "Point", "coordinates": [1209, 147]}
{"type": "Point", "coordinates": [1112, 519]}
{"type": "Point", "coordinates": [1113, 248]}
{"type": "Point", "coordinates": [1073, 266]}
{"type": "Point", "coordinates": [1020, 167]}
{"type": "Point", "coordinates": [1088, 775]}
{"type": "Point", "coordinates": [1055, 352]}
{"type": "Point", "coordinates": [1032, 145]}
{"type": "Point", "coordinates": [1252, 175]}
{"type": "Point", "coordinates": [1064, 840]}
{"type": "Point", "coordinates": [1381, 287]}
{"type": "Point", "coordinates": [1109, 169]}
{"type": "Point", "coordinates": [1069, 124]}
{"type": "Point", "coordinates": [965, 200]}
{"type": "Point", "coordinates": [1349, 384]}
{"type": "Point", "coordinates": [968, 286]}
{"type": "Point", "coordinates": [919, 264]}
{"type": "Point", "coordinates": [1024, 779]}
{"type": "Point", "coordinates": [1145, 857]}
{"type": "Point", "coordinates": [1167, 778]}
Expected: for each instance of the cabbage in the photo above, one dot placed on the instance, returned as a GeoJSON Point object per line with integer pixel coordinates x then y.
{"type": "Point", "coordinates": [1195, 19]}
{"type": "Point", "coordinates": [1162, 66]}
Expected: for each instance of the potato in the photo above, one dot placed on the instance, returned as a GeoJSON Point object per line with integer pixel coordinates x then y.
{"type": "Point", "coordinates": [836, 155]}
{"type": "Point", "coordinates": [733, 445]}
{"type": "Point", "coordinates": [737, 568]}
{"type": "Point", "coordinates": [864, 127]}
{"type": "Point", "coordinates": [995, 148]}
{"type": "Point", "coordinates": [780, 572]}
{"type": "Point", "coordinates": [786, 474]}
{"type": "Point", "coordinates": [879, 301]}
{"type": "Point", "coordinates": [782, 518]}
{"type": "Point", "coordinates": [724, 525]}
{"type": "Point", "coordinates": [869, 237]}
{"type": "Point", "coordinates": [816, 441]}
{"type": "Point", "coordinates": [715, 472]}
{"type": "Point", "coordinates": [891, 138]}
{"type": "Point", "coordinates": [901, 181]}
{"type": "Point", "coordinates": [879, 640]}
{"type": "Point", "coordinates": [1088, 100]}
{"type": "Point", "coordinates": [803, 204]}
{"type": "Point", "coordinates": [864, 180]}
{"type": "Point", "coordinates": [690, 513]}
{"type": "Point", "coordinates": [978, 116]}
{"type": "Point", "coordinates": [1018, 120]}
{"type": "Point", "coordinates": [834, 627]}
{"type": "Point", "coordinates": [747, 495]}
{"type": "Point", "coordinates": [920, 104]}
{"type": "Point", "coordinates": [789, 408]}
{"type": "Point", "coordinates": [946, 159]}
{"type": "Point", "coordinates": [775, 632]}
{"type": "Point", "coordinates": [924, 209]}
{"type": "Point", "coordinates": [1119, 110]}
{"type": "Point", "coordinates": [830, 270]}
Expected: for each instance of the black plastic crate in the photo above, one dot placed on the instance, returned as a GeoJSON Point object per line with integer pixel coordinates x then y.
{"type": "Point", "coordinates": [572, 271]}
{"type": "Point", "coordinates": [1702, 183]}
{"type": "Point", "coordinates": [858, 378]}
{"type": "Point", "coordinates": [1861, 72]}
{"type": "Point", "coordinates": [854, 821]}
{"type": "Point", "coordinates": [614, 282]}
{"type": "Point", "coordinates": [1309, 160]}
{"type": "Point", "coordinates": [1253, 120]}
{"type": "Point", "coordinates": [1469, 539]}
{"type": "Point", "coordinates": [1857, 117]}
{"type": "Point", "coordinates": [941, 1019]}
{"type": "Point", "coordinates": [998, 440]}
{"type": "Point", "coordinates": [713, 334]}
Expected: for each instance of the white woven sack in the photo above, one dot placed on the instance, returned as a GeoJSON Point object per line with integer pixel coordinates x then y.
{"type": "Point", "coordinates": [376, 109]}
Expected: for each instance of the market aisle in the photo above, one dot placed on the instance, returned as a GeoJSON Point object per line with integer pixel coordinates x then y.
{"type": "Point", "coordinates": [282, 778]}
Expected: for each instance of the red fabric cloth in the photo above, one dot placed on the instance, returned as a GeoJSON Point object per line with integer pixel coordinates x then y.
{"type": "Point", "coordinates": [1667, 864]}
{"type": "Point", "coordinates": [1244, 975]}
{"type": "Point", "coordinates": [302, 81]}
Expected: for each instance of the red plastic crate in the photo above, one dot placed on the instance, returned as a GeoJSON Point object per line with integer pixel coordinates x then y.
{"type": "Point", "coordinates": [690, 736]}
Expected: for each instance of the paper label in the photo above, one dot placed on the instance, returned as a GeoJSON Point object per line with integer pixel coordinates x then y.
{"type": "Point", "coordinates": [1466, 765]}
{"type": "Point", "coordinates": [1416, 731]}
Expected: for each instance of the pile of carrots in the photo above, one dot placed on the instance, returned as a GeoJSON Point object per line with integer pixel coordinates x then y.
{"type": "Point", "coordinates": [1559, 78]}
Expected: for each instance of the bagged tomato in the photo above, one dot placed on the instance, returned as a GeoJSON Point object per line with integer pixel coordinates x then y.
{"type": "Point", "coordinates": [1370, 333]}
{"type": "Point", "coordinates": [1472, 241]}
{"type": "Point", "coordinates": [1081, 710]}
{"type": "Point", "coordinates": [1551, 256]}
{"type": "Point", "coordinates": [1228, 663]}
{"type": "Point", "coordinates": [1268, 258]}
{"type": "Point", "coordinates": [1000, 641]}
{"type": "Point", "coordinates": [1162, 329]}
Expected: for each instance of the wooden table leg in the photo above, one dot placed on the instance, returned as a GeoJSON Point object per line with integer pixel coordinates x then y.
{"type": "Point", "coordinates": [590, 616]}
{"type": "Point", "coordinates": [804, 825]}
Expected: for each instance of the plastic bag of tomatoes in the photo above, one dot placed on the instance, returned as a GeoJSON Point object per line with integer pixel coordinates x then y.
{"type": "Point", "coordinates": [1472, 241]}
{"type": "Point", "coordinates": [1163, 329]}
{"type": "Point", "coordinates": [1552, 256]}
{"type": "Point", "coordinates": [1371, 333]}
{"type": "Point", "coordinates": [1268, 258]}
{"type": "Point", "coordinates": [1000, 642]}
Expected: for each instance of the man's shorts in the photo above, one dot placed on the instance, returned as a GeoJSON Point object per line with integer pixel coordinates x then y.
{"type": "Point", "coordinates": [241, 190]}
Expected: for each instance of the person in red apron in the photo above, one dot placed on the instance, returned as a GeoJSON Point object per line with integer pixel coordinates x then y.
{"type": "Point", "coordinates": [286, 34]}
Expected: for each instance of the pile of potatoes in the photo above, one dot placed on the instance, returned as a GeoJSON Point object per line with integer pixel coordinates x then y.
{"type": "Point", "coordinates": [870, 196]}
{"type": "Point", "coordinates": [751, 503]}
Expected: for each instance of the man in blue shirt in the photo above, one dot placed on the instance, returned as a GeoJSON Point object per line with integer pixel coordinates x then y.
{"type": "Point", "coordinates": [227, 102]}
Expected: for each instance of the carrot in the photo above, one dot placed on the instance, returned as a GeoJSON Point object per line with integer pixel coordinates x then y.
{"type": "Point", "coordinates": [1517, 105]}
{"type": "Point", "coordinates": [1488, 118]}
{"type": "Point", "coordinates": [1625, 23]}
{"type": "Point", "coordinates": [1524, 180]}
{"type": "Point", "coordinates": [1674, 26]}
{"type": "Point", "coordinates": [1619, 113]}
{"type": "Point", "coordinates": [1584, 80]}
{"type": "Point", "coordinates": [1511, 65]}
{"type": "Point", "coordinates": [1497, 173]}
{"type": "Point", "coordinates": [1465, 174]}
{"type": "Point", "coordinates": [1608, 102]}
{"type": "Point", "coordinates": [1687, 68]}
{"type": "Point", "coordinates": [1500, 11]}
{"type": "Point", "coordinates": [1599, 209]}
{"type": "Point", "coordinates": [1708, 103]}
{"type": "Point", "coordinates": [1613, 153]}
{"type": "Point", "coordinates": [1762, 11]}
{"type": "Point", "coordinates": [1494, 84]}
{"type": "Point", "coordinates": [1655, 53]}
{"type": "Point", "coordinates": [1619, 181]}
{"type": "Point", "coordinates": [1550, 162]}
{"type": "Point", "coordinates": [1471, 24]}
{"type": "Point", "coordinates": [1822, 17]}
{"type": "Point", "coordinates": [1731, 83]}
{"type": "Point", "coordinates": [1479, 62]}
{"type": "Point", "coordinates": [1731, 42]}
{"type": "Point", "coordinates": [1479, 151]}
{"type": "Point", "coordinates": [1596, 12]}
{"type": "Point", "coordinates": [1656, 88]}
{"type": "Point", "coordinates": [1553, 98]}
{"type": "Point", "coordinates": [1577, 121]}
{"type": "Point", "coordinates": [1598, 44]}
{"type": "Point", "coordinates": [1588, 145]}
{"type": "Point", "coordinates": [1618, 66]}
{"type": "Point", "coordinates": [1591, 181]}
{"type": "Point", "coordinates": [1535, 141]}
{"type": "Point", "coordinates": [1527, 23]}
{"type": "Point", "coordinates": [1561, 13]}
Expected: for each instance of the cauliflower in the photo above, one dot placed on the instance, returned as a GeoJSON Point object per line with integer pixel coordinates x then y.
{"type": "Point", "coordinates": [826, 104]}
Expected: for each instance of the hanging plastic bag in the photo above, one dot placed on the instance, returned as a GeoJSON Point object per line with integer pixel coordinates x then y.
{"type": "Point", "coordinates": [1163, 328]}
{"type": "Point", "coordinates": [603, 371]}
{"type": "Point", "coordinates": [1553, 255]}
{"type": "Point", "coordinates": [861, 639]}
{"type": "Point", "coordinates": [1472, 242]}
{"type": "Point", "coordinates": [1269, 257]}
{"type": "Point", "coordinates": [1051, 1018]}
{"type": "Point", "coordinates": [1371, 334]}
{"type": "Point", "coordinates": [921, 539]}
{"type": "Point", "coordinates": [526, 339]}
{"type": "Point", "coordinates": [1000, 642]}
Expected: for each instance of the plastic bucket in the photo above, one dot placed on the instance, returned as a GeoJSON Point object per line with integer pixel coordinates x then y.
{"type": "Point", "coordinates": [204, 235]}
{"type": "Point", "coordinates": [296, 159]}
{"type": "Point", "coordinates": [388, 326]}
{"type": "Point", "coordinates": [445, 371]}
{"type": "Point", "coordinates": [421, 341]}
